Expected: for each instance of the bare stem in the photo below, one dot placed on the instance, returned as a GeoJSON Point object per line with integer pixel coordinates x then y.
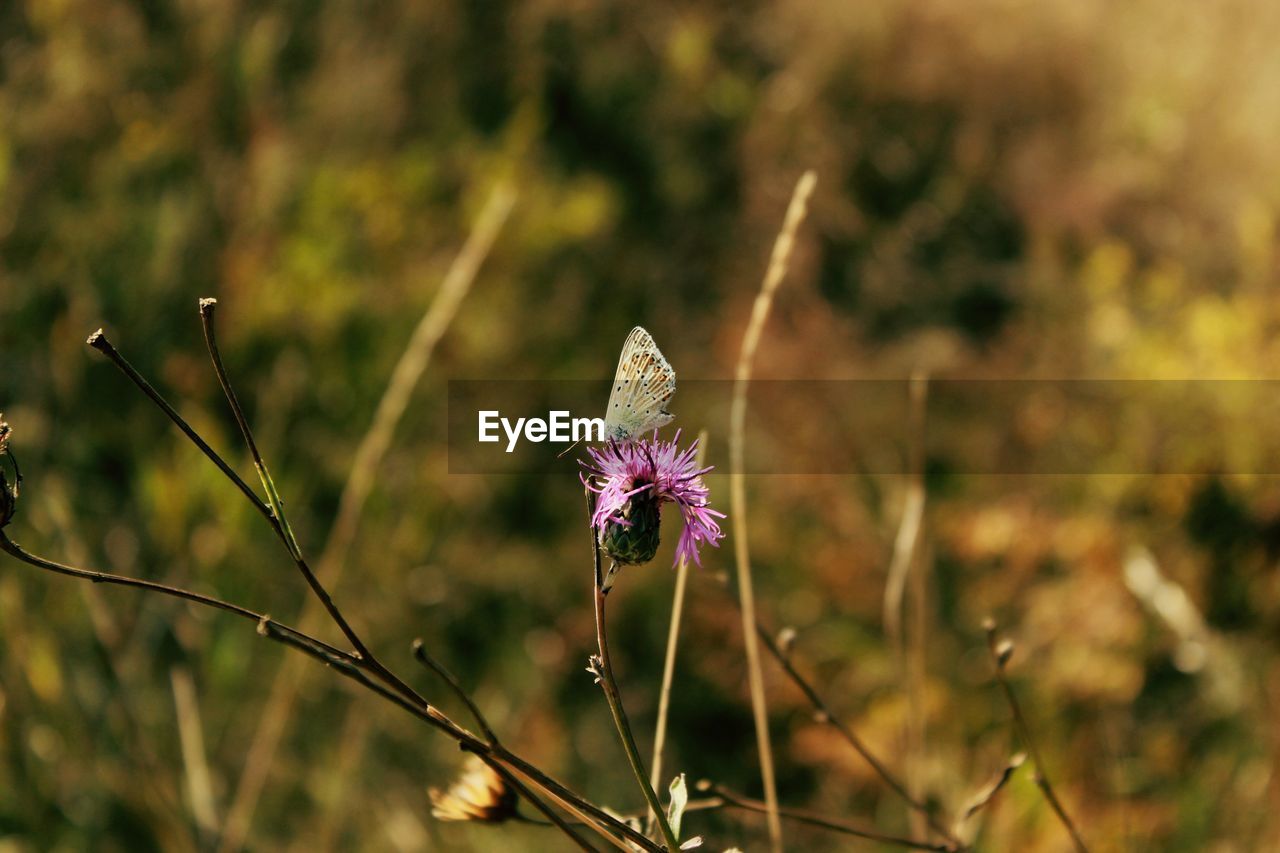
{"type": "Point", "coordinates": [550, 813]}
{"type": "Point", "coordinates": [987, 794]}
{"type": "Point", "coordinates": [585, 820]}
{"type": "Point", "coordinates": [603, 669]}
{"type": "Point", "coordinates": [673, 641]}
{"type": "Point", "coordinates": [827, 716]}
{"type": "Point", "coordinates": [737, 490]}
{"type": "Point", "coordinates": [359, 484]}
{"type": "Point", "coordinates": [557, 789]}
{"type": "Point", "coordinates": [355, 669]}
{"type": "Point", "coordinates": [13, 549]}
{"type": "Point", "coordinates": [99, 341]}
{"type": "Point", "coordinates": [729, 798]}
{"type": "Point", "coordinates": [1000, 654]}
{"type": "Point", "coordinates": [420, 652]}
{"type": "Point", "coordinates": [207, 307]}
{"type": "Point", "coordinates": [280, 523]}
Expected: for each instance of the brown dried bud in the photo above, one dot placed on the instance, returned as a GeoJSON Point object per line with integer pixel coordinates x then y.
{"type": "Point", "coordinates": [786, 640]}
{"type": "Point", "coordinates": [1004, 651]}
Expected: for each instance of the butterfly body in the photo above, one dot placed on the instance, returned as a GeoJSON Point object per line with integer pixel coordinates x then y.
{"type": "Point", "coordinates": [643, 386]}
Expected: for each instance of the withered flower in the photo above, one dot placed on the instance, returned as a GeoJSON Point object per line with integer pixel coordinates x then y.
{"type": "Point", "coordinates": [479, 794]}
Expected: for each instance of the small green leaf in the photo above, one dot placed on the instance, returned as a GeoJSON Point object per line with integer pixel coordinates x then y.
{"type": "Point", "coordinates": [679, 799]}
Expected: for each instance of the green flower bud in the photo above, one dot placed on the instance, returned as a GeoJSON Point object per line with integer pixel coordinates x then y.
{"type": "Point", "coordinates": [637, 542]}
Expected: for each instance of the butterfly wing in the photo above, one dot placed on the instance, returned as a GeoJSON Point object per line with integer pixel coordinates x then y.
{"type": "Point", "coordinates": [643, 385]}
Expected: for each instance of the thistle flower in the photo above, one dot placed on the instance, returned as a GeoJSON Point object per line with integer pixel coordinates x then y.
{"type": "Point", "coordinates": [632, 481]}
{"type": "Point", "coordinates": [479, 794]}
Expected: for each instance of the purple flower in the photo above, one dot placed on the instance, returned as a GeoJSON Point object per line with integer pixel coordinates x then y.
{"type": "Point", "coordinates": [632, 480]}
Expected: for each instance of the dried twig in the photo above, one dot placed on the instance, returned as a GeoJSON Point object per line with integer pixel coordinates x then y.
{"type": "Point", "coordinates": [724, 797]}
{"type": "Point", "coordinates": [673, 640]}
{"type": "Point", "coordinates": [355, 669]}
{"type": "Point", "coordinates": [1001, 651]}
{"type": "Point", "coordinates": [420, 652]}
{"type": "Point", "coordinates": [825, 714]}
{"type": "Point", "coordinates": [551, 814]}
{"type": "Point", "coordinates": [355, 492]}
{"type": "Point", "coordinates": [984, 797]}
{"type": "Point", "coordinates": [737, 488]}
{"type": "Point", "coordinates": [364, 668]}
{"type": "Point", "coordinates": [279, 522]}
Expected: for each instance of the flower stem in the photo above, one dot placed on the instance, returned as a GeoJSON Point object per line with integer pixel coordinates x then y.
{"type": "Point", "coordinates": [604, 670]}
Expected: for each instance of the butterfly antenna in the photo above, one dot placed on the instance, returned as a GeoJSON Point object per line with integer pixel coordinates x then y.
{"type": "Point", "coordinates": [561, 454]}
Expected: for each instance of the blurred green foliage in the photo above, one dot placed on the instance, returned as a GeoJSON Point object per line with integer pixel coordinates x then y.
{"type": "Point", "coordinates": [1053, 189]}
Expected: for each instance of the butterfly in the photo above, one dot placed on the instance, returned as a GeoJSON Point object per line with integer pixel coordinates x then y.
{"type": "Point", "coordinates": [643, 386]}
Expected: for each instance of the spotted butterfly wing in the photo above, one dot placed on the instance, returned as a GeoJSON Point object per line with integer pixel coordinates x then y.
{"type": "Point", "coordinates": [643, 386]}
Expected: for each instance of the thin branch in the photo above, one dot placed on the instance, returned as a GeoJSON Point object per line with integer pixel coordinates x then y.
{"type": "Point", "coordinates": [738, 496]}
{"type": "Point", "coordinates": [556, 788]}
{"type": "Point", "coordinates": [353, 668]}
{"type": "Point", "coordinates": [984, 797]}
{"type": "Point", "coordinates": [207, 307]}
{"type": "Point", "coordinates": [673, 641]}
{"type": "Point", "coordinates": [548, 784]}
{"type": "Point", "coordinates": [734, 800]}
{"type": "Point", "coordinates": [603, 669]}
{"type": "Point", "coordinates": [99, 341]}
{"type": "Point", "coordinates": [1001, 651]}
{"type": "Point", "coordinates": [550, 813]}
{"type": "Point", "coordinates": [826, 715]}
{"type": "Point", "coordinates": [584, 820]}
{"type": "Point", "coordinates": [15, 550]}
{"type": "Point", "coordinates": [359, 484]}
{"type": "Point", "coordinates": [281, 523]}
{"type": "Point", "coordinates": [420, 653]}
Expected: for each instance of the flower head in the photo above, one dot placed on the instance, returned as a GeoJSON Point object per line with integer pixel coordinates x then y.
{"type": "Point", "coordinates": [479, 794]}
{"type": "Point", "coordinates": [632, 481]}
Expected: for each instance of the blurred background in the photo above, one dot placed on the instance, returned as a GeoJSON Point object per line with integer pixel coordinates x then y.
{"type": "Point", "coordinates": [1065, 189]}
